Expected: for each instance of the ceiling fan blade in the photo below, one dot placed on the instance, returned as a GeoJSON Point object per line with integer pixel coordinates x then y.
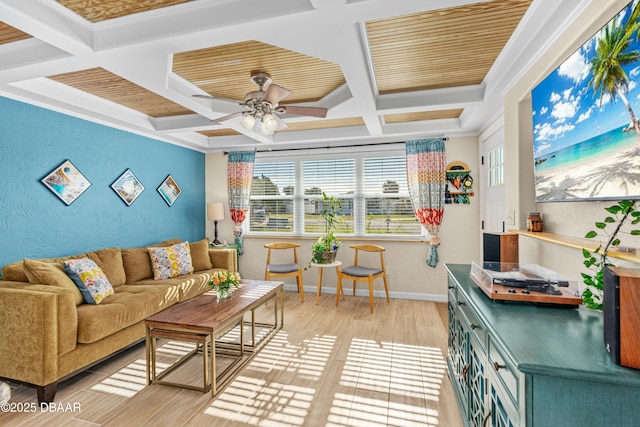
{"type": "Point", "coordinates": [227, 117]}
{"type": "Point", "coordinates": [275, 94]}
{"type": "Point", "coordinates": [305, 111]}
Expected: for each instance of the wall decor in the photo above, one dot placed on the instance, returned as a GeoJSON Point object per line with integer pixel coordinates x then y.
{"type": "Point", "coordinates": [169, 190]}
{"type": "Point", "coordinates": [128, 187]}
{"type": "Point", "coordinates": [66, 182]}
{"type": "Point", "coordinates": [459, 183]}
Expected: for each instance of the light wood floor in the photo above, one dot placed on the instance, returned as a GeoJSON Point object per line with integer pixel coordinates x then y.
{"type": "Point", "coordinates": [327, 367]}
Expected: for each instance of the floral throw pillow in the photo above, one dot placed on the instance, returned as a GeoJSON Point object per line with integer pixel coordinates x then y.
{"type": "Point", "coordinates": [171, 261]}
{"type": "Point", "coordinates": [90, 279]}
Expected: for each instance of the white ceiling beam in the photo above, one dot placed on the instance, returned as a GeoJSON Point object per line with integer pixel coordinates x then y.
{"type": "Point", "coordinates": [427, 100]}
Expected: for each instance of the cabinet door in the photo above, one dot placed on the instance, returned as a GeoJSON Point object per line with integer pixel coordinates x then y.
{"type": "Point", "coordinates": [477, 383]}
{"type": "Point", "coordinates": [503, 413]}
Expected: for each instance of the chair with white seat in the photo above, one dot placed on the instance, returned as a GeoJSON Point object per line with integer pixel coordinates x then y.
{"type": "Point", "coordinates": [291, 269]}
{"type": "Point", "coordinates": [359, 273]}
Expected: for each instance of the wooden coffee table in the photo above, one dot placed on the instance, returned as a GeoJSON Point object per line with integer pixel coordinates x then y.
{"type": "Point", "coordinates": [203, 320]}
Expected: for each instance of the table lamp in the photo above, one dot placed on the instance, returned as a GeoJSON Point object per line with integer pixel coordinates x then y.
{"type": "Point", "coordinates": [215, 213]}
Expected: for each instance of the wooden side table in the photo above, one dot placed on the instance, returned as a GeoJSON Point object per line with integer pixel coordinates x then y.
{"type": "Point", "coordinates": [321, 267]}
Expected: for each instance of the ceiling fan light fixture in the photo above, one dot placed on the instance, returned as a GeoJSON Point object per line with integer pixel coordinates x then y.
{"type": "Point", "coordinates": [248, 122]}
{"type": "Point", "coordinates": [269, 123]}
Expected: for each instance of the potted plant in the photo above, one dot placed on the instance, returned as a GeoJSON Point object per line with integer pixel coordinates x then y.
{"type": "Point", "coordinates": [325, 248]}
{"type": "Point", "coordinates": [624, 210]}
{"type": "Point", "coordinates": [222, 281]}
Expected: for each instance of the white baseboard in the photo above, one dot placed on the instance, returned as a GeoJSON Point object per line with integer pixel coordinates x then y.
{"type": "Point", "coordinates": [376, 293]}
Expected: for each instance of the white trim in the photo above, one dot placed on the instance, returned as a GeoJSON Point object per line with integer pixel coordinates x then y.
{"type": "Point", "coordinates": [376, 293]}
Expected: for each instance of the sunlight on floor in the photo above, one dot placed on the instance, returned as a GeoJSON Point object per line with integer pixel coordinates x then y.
{"type": "Point", "coordinates": [381, 384]}
{"type": "Point", "coordinates": [126, 382]}
{"type": "Point", "coordinates": [133, 378]}
{"type": "Point", "coordinates": [258, 402]}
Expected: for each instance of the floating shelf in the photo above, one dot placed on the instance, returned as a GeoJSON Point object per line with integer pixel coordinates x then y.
{"type": "Point", "coordinates": [577, 243]}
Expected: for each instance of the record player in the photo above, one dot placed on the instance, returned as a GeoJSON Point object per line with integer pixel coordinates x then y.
{"type": "Point", "coordinates": [524, 282]}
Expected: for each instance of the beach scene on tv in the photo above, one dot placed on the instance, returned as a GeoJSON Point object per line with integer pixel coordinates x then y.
{"type": "Point", "coordinates": [586, 121]}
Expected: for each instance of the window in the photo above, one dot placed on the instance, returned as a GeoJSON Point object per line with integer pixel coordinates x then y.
{"type": "Point", "coordinates": [388, 208]}
{"type": "Point", "coordinates": [286, 197]}
{"type": "Point", "coordinates": [271, 208]}
{"type": "Point", "coordinates": [496, 167]}
{"type": "Point", "coordinates": [334, 177]}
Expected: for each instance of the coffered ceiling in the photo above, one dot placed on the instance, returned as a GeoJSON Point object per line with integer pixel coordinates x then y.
{"type": "Point", "coordinates": [386, 71]}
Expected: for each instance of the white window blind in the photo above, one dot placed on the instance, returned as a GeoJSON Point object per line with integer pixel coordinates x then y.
{"type": "Point", "coordinates": [272, 192]}
{"type": "Point", "coordinates": [388, 207]}
{"type": "Point", "coordinates": [334, 177]}
{"type": "Point", "coordinates": [286, 196]}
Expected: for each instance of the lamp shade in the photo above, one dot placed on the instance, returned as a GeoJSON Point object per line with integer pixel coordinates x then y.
{"type": "Point", "coordinates": [215, 211]}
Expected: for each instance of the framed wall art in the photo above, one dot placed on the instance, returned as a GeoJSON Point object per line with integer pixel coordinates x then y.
{"type": "Point", "coordinates": [128, 187]}
{"type": "Point", "coordinates": [66, 182]}
{"type": "Point", "coordinates": [169, 190]}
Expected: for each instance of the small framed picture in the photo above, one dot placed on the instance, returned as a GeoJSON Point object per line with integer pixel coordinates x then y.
{"type": "Point", "coordinates": [128, 187]}
{"type": "Point", "coordinates": [66, 182]}
{"type": "Point", "coordinates": [169, 190]}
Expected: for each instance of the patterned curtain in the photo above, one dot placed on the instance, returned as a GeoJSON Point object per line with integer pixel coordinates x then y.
{"type": "Point", "coordinates": [239, 177]}
{"type": "Point", "coordinates": [426, 177]}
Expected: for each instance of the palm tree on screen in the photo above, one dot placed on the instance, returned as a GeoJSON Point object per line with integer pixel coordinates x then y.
{"type": "Point", "coordinates": [612, 54]}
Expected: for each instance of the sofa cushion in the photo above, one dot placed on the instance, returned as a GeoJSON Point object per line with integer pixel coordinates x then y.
{"type": "Point", "coordinates": [137, 264]}
{"type": "Point", "coordinates": [188, 286]}
{"type": "Point", "coordinates": [53, 274]}
{"type": "Point", "coordinates": [171, 261]}
{"type": "Point", "coordinates": [110, 261]}
{"type": "Point", "coordinates": [90, 279]}
{"type": "Point", "coordinates": [124, 308]}
{"type": "Point", "coordinates": [200, 255]}
{"type": "Point", "coordinates": [15, 271]}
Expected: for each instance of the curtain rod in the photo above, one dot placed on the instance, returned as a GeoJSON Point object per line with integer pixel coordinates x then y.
{"type": "Point", "coordinates": [328, 147]}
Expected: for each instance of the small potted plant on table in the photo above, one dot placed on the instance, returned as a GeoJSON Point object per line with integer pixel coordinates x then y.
{"type": "Point", "coordinates": [325, 248]}
{"type": "Point", "coordinates": [222, 281]}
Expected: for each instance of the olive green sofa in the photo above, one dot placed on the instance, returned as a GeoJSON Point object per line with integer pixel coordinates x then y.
{"type": "Point", "coordinates": [48, 333]}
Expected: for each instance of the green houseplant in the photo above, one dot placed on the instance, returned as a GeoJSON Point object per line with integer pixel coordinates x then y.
{"type": "Point", "coordinates": [621, 212]}
{"type": "Point", "coordinates": [325, 248]}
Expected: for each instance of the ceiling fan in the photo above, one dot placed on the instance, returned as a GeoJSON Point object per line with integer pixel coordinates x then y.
{"type": "Point", "coordinates": [262, 106]}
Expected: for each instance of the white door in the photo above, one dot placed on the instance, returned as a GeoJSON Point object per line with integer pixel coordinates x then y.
{"type": "Point", "coordinates": [492, 182]}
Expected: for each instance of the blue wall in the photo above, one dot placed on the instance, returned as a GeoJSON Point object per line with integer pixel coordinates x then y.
{"type": "Point", "coordinates": [35, 223]}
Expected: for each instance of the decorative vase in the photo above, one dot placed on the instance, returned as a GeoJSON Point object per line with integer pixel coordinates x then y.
{"type": "Point", "coordinates": [328, 257]}
{"type": "Point", "coordinates": [223, 293]}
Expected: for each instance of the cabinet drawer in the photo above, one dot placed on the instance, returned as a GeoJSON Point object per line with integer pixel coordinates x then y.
{"type": "Point", "coordinates": [476, 328]}
{"type": "Point", "coordinates": [504, 370]}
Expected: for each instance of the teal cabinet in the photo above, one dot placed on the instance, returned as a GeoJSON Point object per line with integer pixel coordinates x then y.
{"type": "Point", "coordinates": [518, 364]}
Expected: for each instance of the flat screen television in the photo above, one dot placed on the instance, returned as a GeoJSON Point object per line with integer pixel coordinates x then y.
{"type": "Point", "coordinates": [586, 118]}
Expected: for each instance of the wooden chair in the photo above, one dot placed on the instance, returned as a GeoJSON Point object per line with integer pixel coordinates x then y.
{"type": "Point", "coordinates": [286, 269]}
{"type": "Point", "coordinates": [359, 273]}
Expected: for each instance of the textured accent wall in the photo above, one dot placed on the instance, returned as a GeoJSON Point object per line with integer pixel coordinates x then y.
{"type": "Point", "coordinates": [36, 223]}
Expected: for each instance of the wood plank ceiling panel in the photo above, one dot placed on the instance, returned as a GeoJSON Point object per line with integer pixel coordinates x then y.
{"type": "Point", "coordinates": [225, 71]}
{"type": "Point", "coordinates": [104, 84]}
{"type": "Point", "coordinates": [324, 124]}
{"type": "Point", "coordinates": [218, 132]}
{"type": "Point", "coordinates": [441, 48]}
{"type": "Point", "coordinates": [423, 115]}
{"type": "Point", "coordinates": [101, 10]}
{"type": "Point", "coordinates": [10, 34]}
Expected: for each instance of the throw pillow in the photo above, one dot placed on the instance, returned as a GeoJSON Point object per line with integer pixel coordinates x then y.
{"type": "Point", "coordinates": [110, 261]}
{"type": "Point", "coordinates": [171, 261]}
{"type": "Point", "coordinates": [50, 273]}
{"type": "Point", "coordinates": [90, 279]}
{"type": "Point", "coordinates": [136, 261]}
{"type": "Point", "coordinates": [200, 255]}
